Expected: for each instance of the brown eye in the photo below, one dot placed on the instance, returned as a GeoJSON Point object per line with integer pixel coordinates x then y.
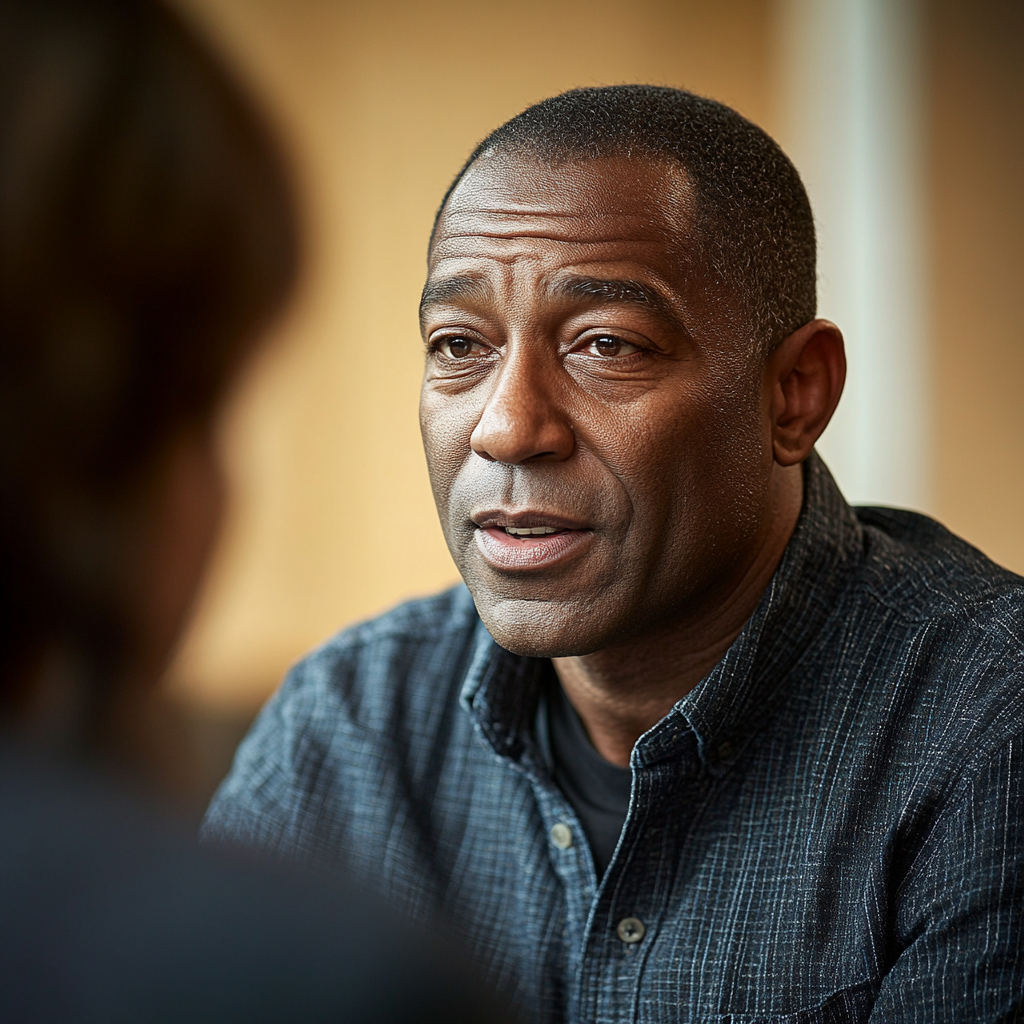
{"type": "Point", "coordinates": [456, 348]}
{"type": "Point", "coordinates": [609, 346]}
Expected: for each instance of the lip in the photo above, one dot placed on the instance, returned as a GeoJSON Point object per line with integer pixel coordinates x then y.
{"type": "Point", "coordinates": [503, 551]}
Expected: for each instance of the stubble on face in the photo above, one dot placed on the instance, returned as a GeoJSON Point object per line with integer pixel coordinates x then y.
{"type": "Point", "coordinates": [581, 386]}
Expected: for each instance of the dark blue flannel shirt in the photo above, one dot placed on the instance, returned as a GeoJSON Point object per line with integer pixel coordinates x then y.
{"type": "Point", "coordinates": [829, 828]}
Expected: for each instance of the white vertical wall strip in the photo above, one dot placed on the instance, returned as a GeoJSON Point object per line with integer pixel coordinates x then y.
{"type": "Point", "coordinates": [852, 121]}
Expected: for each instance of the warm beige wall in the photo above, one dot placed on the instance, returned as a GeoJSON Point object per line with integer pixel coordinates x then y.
{"type": "Point", "coordinates": [332, 517]}
{"type": "Point", "coordinates": [976, 88]}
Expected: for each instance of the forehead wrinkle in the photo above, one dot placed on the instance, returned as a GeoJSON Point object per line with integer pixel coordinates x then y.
{"type": "Point", "coordinates": [594, 291]}
{"type": "Point", "coordinates": [574, 227]}
{"type": "Point", "coordinates": [523, 232]}
{"type": "Point", "coordinates": [524, 210]}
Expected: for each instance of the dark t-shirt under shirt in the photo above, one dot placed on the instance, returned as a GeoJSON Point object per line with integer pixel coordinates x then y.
{"type": "Point", "coordinates": [597, 790]}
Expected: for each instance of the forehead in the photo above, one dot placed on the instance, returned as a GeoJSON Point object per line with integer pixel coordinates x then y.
{"type": "Point", "coordinates": [607, 210]}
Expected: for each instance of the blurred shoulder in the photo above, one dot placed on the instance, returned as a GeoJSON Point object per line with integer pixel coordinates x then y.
{"type": "Point", "coordinates": [109, 912]}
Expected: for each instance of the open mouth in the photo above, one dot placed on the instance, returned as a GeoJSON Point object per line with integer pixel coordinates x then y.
{"type": "Point", "coordinates": [529, 545]}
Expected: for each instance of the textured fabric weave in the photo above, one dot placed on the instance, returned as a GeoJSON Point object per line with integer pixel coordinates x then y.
{"type": "Point", "coordinates": [829, 828]}
{"type": "Point", "coordinates": [597, 790]}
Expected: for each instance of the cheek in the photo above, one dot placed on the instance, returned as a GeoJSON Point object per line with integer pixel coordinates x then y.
{"type": "Point", "coordinates": [697, 459]}
{"type": "Point", "coordinates": [730, 469]}
{"type": "Point", "coordinates": [446, 425]}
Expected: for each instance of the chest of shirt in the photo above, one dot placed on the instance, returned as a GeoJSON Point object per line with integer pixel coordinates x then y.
{"type": "Point", "coordinates": [748, 890]}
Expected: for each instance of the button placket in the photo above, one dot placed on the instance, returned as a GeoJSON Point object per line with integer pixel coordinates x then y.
{"type": "Point", "coordinates": [567, 848]}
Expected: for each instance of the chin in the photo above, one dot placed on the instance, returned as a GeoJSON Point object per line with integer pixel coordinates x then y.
{"type": "Point", "coordinates": [541, 629]}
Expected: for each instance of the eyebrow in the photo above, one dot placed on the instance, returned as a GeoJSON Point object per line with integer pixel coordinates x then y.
{"type": "Point", "coordinates": [594, 290]}
{"type": "Point", "coordinates": [449, 289]}
{"type": "Point", "coordinates": [608, 291]}
{"type": "Point", "coordinates": [618, 291]}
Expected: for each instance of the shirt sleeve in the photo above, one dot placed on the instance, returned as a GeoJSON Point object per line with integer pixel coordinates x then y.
{"type": "Point", "coordinates": [959, 913]}
{"type": "Point", "coordinates": [258, 805]}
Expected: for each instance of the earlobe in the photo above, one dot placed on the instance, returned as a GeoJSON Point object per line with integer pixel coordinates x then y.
{"type": "Point", "coordinates": [806, 374]}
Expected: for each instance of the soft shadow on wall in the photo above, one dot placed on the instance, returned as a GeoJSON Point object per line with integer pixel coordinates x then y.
{"type": "Point", "coordinates": [331, 517]}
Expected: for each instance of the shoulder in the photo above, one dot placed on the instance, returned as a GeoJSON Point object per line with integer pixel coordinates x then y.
{"type": "Point", "coordinates": [424, 619]}
{"type": "Point", "coordinates": [924, 572]}
{"type": "Point", "coordinates": [433, 620]}
{"type": "Point", "coordinates": [111, 913]}
{"type": "Point", "coordinates": [943, 634]}
{"type": "Point", "coordinates": [419, 645]}
{"type": "Point", "coordinates": [382, 693]}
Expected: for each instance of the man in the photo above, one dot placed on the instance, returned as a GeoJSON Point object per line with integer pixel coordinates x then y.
{"type": "Point", "coordinates": [148, 234]}
{"type": "Point", "coordinates": [705, 744]}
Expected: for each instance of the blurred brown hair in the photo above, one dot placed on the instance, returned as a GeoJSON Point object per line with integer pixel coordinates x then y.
{"type": "Point", "coordinates": [147, 234]}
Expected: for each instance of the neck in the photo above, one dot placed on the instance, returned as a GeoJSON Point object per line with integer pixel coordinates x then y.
{"type": "Point", "coordinates": [621, 691]}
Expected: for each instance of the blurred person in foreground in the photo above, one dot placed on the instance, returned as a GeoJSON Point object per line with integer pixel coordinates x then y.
{"type": "Point", "coordinates": [147, 236]}
{"type": "Point", "coordinates": [697, 741]}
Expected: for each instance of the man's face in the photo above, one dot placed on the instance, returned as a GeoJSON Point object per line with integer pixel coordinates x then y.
{"type": "Point", "coordinates": [595, 422]}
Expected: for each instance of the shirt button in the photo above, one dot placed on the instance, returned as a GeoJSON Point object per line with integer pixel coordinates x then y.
{"type": "Point", "coordinates": [631, 929]}
{"type": "Point", "coordinates": [561, 835]}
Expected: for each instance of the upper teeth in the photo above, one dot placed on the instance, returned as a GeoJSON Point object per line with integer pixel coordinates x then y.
{"type": "Point", "coordinates": [522, 531]}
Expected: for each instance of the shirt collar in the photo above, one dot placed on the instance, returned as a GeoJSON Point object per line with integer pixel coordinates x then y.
{"type": "Point", "coordinates": [501, 689]}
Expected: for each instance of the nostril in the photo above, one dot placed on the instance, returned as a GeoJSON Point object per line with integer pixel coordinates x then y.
{"type": "Point", "coordinates": [517, 432]}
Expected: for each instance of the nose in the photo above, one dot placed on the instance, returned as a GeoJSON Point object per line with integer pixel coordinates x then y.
{"type": "Point", "coordinates": [523, 420]}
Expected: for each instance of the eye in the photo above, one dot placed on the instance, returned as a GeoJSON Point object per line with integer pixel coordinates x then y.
{"type": "Point", "coordinates": [609, 346]}
{"type": "Point", "coordinates": [456, 347]}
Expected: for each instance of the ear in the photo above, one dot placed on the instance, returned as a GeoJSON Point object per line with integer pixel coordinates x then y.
{"type": "Point", "coordinates": [804, 380]}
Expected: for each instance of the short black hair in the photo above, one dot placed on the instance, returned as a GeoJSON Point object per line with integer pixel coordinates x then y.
{"type": "Point", "coordinates": [753, 217]}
